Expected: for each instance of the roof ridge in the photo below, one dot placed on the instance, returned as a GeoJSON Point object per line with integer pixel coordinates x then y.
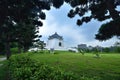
{"type": "Point", "coordinates": [55, 35]}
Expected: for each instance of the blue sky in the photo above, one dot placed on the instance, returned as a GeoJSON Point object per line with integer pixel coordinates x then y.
{"type": "Point", "coordinates": [57, 21]}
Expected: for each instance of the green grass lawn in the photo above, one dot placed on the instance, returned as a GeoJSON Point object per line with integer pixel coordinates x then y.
{"type": "Point", "coordinates": [107, 66]}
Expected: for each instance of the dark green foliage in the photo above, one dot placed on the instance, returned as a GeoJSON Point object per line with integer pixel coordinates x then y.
{"type": "Point", "coordinates": [57, 3]}
{"type": "Point", "coordinates": [67, 1]}
{"type": "Point", "coordinates": [106, 50]}
{"type": "Point", "coordinates": [109, 30]}
{"type": "Point", "coordinates": [117, 49]}
{"type": "Point", "coordinates": [14, 50]}
{"type": "Point", "coordinates": [75, 3]}
{"type": "Point", "coordinates": [2, 49]}
{"type": "Point", "coordinates": [16, 18]}
{"type": "Point", "coordinates": [100, 10]}
{"type": "Point", "coordinates": [22, 67]}
{"type": "Point", "coordinates": [28, 12]}
{"type": "Point", "coordinates": [39, 44]}
{"type": "Point", "coordinates": [71, 12]}
{"type": "Point", "coordinates": [3, 70]}
{"type": "Point", "coordinates": [79, 22]}
{"type": "Point", "coordinates": [42, 15]}
{"type": "Point", "coordinates": [26, 38]}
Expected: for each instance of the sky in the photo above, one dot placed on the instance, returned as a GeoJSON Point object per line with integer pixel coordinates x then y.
{"type": "Point", "coordinates": [57, 21]}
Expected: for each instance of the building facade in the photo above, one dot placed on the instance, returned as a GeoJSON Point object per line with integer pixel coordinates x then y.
{"type": "Point", "coordinates": [55, 42]}
{"type": "Point", "coordinates": [82, 46]}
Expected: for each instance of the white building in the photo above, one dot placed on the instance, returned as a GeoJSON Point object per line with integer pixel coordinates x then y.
{"type": "Point", "coordinates": [56, 42]}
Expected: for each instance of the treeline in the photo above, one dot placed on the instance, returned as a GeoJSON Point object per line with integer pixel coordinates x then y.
{"type": "Point", "coordinates": [112, 49]}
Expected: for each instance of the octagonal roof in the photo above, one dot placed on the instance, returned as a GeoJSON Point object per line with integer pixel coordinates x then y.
{"type": "Point", "coordinates": [55, 35]}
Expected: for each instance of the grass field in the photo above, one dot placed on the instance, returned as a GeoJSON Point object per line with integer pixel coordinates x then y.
{"type": "Point", "coordinates": [107, 67]}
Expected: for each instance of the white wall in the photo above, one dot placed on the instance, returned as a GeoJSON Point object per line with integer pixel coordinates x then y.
{"type": "Point", "coordinates": [54, 43]}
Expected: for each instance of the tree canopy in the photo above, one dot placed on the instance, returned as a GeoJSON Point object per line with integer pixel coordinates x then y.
{"type": "Point", "coordinates": [99, 10]}
{"type": "Point", "coordinates": [19, 20]}
{"type": "Point", "coordinates": [18, 17]}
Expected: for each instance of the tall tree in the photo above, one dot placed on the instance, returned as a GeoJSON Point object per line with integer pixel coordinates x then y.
{"type": "Point", "coordinates": [26, 11]}
{"type": "Point", "coordinates": [14, 12]}
{"type": "Point", "coordinates": [26, 34]}
{"type": "Point", "coordinates": [39, 44]}
{"type": "Point", "coordinates": [2, 49]}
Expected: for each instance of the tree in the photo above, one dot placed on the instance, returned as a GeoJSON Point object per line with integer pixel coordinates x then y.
{"type": "Point", "coordinates": [117, 47]}
{"type": "Point", "coordinates": [16, 12]}
{"type": "Point", "coordinates": [108, 30]}
{"type": "Point", "coordinates": [100, 10]}
{"type": "Point", "coordinates": [26, 34]}
{"type": "Point", "coordinates": [39, 44]}
{"type": "Point", "coordinates": [1, 48]}
{"type": "Point", "coordinates": [6, 36]}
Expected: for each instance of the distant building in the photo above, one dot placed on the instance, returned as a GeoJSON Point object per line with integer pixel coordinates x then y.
{"type": "Point", "coordinates": [56, 42]}
{"type": "Point", "coordinates": [117, 44]}
{"type": "Point", "coordinates": [99, 48]}
{"type": "Point", "coordinates": [90, 47]}
{"type": "Point", "coordinates": [82, 46]}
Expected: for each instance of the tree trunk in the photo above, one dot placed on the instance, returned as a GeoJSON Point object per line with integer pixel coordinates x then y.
{"type": "Point", "coordinates": [25, 49]}
{"type": "Point", "coordinates": [19, 48]}
{"type": "Point", "coordinates": [7, 47]}
{"type": "Point", "coordinates": [8, 52]}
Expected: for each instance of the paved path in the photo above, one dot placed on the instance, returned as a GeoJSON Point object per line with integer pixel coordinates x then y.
{"type": "Point", "coordinates": [2, 59]}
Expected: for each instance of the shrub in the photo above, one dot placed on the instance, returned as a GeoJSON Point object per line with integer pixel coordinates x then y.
{"type": "Point", "coordinates": [117, 49]}
{"type": "Point", "coordinates": [14, 50]}
{"type": "Point", "coordinates": [22, 67]}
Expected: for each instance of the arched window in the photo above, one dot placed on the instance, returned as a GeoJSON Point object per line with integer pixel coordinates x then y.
{"type": "Point", "coordinates": [60, 44]}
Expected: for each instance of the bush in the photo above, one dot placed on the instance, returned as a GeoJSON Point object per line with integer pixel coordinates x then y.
{"type": "Point", "coordinates": [14, 50]}
{"type": "Point", "coordinates": [117, 49]}
{"type": "Point", "coordinates": [22, 67]}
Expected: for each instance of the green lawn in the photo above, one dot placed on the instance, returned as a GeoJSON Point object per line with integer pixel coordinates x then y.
{"type": "Point", "coordinates": [107, 66]}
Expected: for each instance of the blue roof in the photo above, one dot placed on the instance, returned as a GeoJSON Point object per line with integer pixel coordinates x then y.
{"type": "Point", "coordinates": [55, 35]}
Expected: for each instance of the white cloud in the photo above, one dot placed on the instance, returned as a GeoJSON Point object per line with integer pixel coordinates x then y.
{"type": "Point", "coordinates": [103, 43]}
{"type": "Point", "coordinates": [73, 35]}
